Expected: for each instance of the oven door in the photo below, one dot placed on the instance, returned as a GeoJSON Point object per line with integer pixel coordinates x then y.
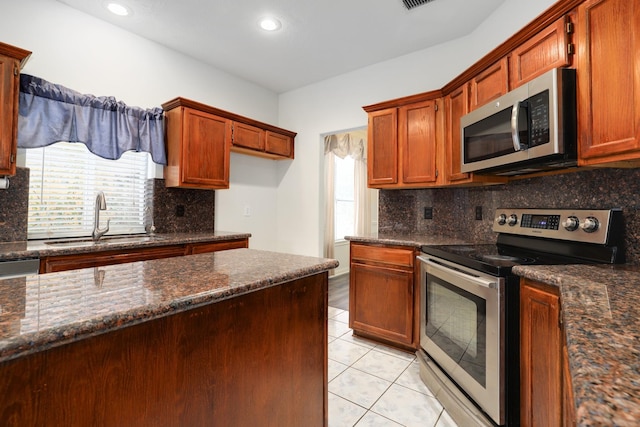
{"type": "Point", "coordinates": [462, 330]}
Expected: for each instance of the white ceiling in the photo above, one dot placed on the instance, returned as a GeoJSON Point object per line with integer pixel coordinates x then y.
{"type": "Point", "coordinates": [319, 39]}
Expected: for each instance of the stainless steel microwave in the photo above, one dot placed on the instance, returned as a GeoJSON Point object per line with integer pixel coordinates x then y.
{"type": "Point", "coordinates": [530, 129]}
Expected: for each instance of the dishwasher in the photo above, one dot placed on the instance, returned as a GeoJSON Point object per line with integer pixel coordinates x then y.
{"type": "Point", "coordinates": [19, 268]}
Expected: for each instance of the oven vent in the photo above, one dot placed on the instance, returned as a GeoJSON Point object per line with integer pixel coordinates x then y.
{"type": "Point", "coordinates": [410, 4]}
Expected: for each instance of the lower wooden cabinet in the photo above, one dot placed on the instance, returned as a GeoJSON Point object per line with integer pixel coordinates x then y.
{"type": "Point", "coordinates": [545, 383]}
{"type": "Point", "coordinates": [51, 264]}
{"type": "Point", "coordinates": [383, 294]}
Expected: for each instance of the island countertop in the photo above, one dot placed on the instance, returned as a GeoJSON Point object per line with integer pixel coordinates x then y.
{"type": "Point", "coordinates": [42, 311]}
{"type": "Point", "coordinates": [40, 248]}
{"type": "Point", "coordinates": [601, 317]}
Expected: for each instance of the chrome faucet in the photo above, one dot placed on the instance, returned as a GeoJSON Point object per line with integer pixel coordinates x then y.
{"type": "Point", "coordinates": [101, 205]}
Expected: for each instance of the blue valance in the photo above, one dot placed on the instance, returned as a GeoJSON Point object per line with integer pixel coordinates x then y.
{"type": "Point", "coordinates": [50, 113]}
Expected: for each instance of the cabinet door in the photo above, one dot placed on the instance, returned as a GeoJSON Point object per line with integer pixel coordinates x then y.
{"type": "Point", "coordinates": [9, 80]}
{"type": "Point", "coordinates": [490, 84]}
{"type": "Point", "coordinates": [381, 302]}
{"type": "Point", "coordinates": [457, 105]}
{"type": "Point", "coordinates": [382, 147]}
{"type": "Point", "coordinates": [417, 142]}
{"type": "Point", "coordinates": [282, 145]}
{"type": "Point", "coordinates": [248, 136]}
{"type": "Point", "coordinates": [540, 355]}
{"type": "Point", "coordinates": [549, 49]}
{"type": "Point", "coordinates": [205, 149]}
{"type": "Point", "coordinates": [608, 75]}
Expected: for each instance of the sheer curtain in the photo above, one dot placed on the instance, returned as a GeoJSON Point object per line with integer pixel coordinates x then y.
{"type": "Point", "coordinates": [351, 144]}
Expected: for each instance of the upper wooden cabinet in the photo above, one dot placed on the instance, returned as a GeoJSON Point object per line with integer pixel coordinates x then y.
{"type": "Point", "coordinates": [11, 61]}
{"type": "Point", "coordinates": [608, 75]}
{"type": "Point", "coordinates": [382, 148]}
{"type": "Point", "coordinates": [550, 48]}
{"type": "Point", "coordinates": [200, 138]}
{"type": "Point", "coordinates": [490, 83]}
{"type": "Point", "coordinates": [404, 143]}
{"type": "Point", "coordinates": [255, 140]}
{"type": "Point", "coordinates": [198, 146]}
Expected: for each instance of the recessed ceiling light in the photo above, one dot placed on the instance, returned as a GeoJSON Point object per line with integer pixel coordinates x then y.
{"type": "Point", "coordinates": [270, 24]}
{"type": "Point", "coordinates": [118, 9]}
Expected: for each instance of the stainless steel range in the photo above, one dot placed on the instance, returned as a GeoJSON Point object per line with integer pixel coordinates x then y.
{"type": "Point", "coordinates": [469, 332]}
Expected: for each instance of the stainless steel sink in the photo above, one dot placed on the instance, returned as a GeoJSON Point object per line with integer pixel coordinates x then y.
{"type": "Point", "coordinates": [87, 241]}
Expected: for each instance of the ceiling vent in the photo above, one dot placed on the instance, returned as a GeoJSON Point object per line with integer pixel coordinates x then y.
{"type": "Point", "coordinates": [410, 4]}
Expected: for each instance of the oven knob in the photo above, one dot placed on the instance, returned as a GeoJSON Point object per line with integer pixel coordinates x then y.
{"type": "Point", "coordinates": [502, 219]}
{"type": "Point", "coordinates": [513, 220]}
{"type": "Point", "coordinates": [590, 224]}
{"type": "Point", "coordinates": [571, 223]}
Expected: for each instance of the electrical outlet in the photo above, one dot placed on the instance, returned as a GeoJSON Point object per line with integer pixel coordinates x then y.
{"type": "Point", "coordinates": [479, 213]}
{"type": "Point", "coordinates": [428, 213]}
{"type": "Point", "coordinates": [180, 210]}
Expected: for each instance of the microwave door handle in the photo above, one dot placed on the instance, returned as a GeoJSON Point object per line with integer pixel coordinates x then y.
{"type": "Point", "coordinates": [515, 132]}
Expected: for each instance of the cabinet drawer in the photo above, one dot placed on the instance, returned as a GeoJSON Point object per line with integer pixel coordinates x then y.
{"type": "Point", "coordinates": [382, 255]}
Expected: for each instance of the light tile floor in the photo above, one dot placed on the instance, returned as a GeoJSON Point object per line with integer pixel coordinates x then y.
{"type": "Point", "coordinates": [373, 385]}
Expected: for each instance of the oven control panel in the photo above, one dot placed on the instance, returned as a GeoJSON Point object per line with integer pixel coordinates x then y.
{"type": "Point", "coordinates": [580, 225]}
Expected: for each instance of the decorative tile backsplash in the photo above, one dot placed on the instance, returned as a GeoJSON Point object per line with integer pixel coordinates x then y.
{"type": "Point", "coordinates": [454, 209]}
{"type": "Point", "coordinates": [174, 210]}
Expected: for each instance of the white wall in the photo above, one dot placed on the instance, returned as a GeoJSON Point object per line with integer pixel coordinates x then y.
{"type": "Point", "coordinates": [336, 104]}
{"type": "Point", "coordinates": [90, 56]}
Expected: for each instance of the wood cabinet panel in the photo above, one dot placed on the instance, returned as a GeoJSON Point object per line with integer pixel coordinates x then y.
{"type": "Point", "coordinates": [381, 303]}
{"type": "Point", "coordinates": [540, 355]}
{"type": "Point", "coordinates": [417, 141]}
{"type": "Point", "coordinates": [52, 264]}
{"type": "Point", "coordinates": [248, 136]}
{"type": "Point", "coordinates": [457, 105]}
{"type": "Point", "coordinates": [11, 59]}
{"type": "Point", "coordinates": [382, 147]}
{"type": "Point", "coordinates": [608, 75]}
{"type": "Point", "coordinates": [231, 363]}
{"type": "Point", "coordinates": [490, 84]}
{"type": "Point", "coordinates": [198, 145]}
{"type": "Point", "coordinates": [382, 255]}
{"type": "Point", "coordinates": [201, 248]}
{"type": "Point", "coordinates": [547, 50]}
{"type": "Point", "coordinates": [279, 144]}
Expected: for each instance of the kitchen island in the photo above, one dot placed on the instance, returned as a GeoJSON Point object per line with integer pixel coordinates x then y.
{"type": "Point", "coordinates": [224, 338]}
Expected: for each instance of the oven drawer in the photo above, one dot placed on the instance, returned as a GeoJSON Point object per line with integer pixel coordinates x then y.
{"type": "Point", "coordinates": [382, 255]}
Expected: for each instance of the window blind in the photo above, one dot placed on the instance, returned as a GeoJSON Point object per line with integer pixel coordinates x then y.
{"type": "Point", "coordinates": [64, 181]}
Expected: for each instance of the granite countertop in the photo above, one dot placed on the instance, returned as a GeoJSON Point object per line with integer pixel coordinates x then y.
{"type": "Point", "coordinates": [601, 317]}
{"type": "Point", "coordinates": [412, 240]}
{"type": "Point", "coordinates": [38, 312]}
{"type": "Point", "coordinates": [40, 248]}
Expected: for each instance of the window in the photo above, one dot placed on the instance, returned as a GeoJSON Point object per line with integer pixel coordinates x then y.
{"type": "Point", "coordinates": [64, 181]}
{"type": "Point", "coordinates": [344, 197]}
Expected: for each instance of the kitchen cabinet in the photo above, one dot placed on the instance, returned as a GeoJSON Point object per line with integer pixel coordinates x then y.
{"type": "Point", "coordinates": [550, 48]}
{"type": "Point", "coordinates": [383, 295]}
{"type": "Point", "coordinates": [404, 147]}
{"type": "Point", "coordinates": [198, 145]}
{"type": "Point", "coordinates": [545, 384]}
{"type": "Point", "coordinates": [11, 61]}
{"type": "Point", "coordinates": [608, 75]}
{"type": "Point", "coordinates": [257, 141]}
{"type": "Point", "coordinates": [490, 83]}
{"type": "Point", "coordinates": [200, 139]}
{"type": "Point", "coordinates": [54, 263]}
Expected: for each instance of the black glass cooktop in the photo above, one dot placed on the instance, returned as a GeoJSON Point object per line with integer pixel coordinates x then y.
{"type": "Point", "coordinates": [498, 259]}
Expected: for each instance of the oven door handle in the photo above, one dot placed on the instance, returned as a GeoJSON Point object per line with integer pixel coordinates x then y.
{"type": "Point", "coordinates": [451, 272]}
